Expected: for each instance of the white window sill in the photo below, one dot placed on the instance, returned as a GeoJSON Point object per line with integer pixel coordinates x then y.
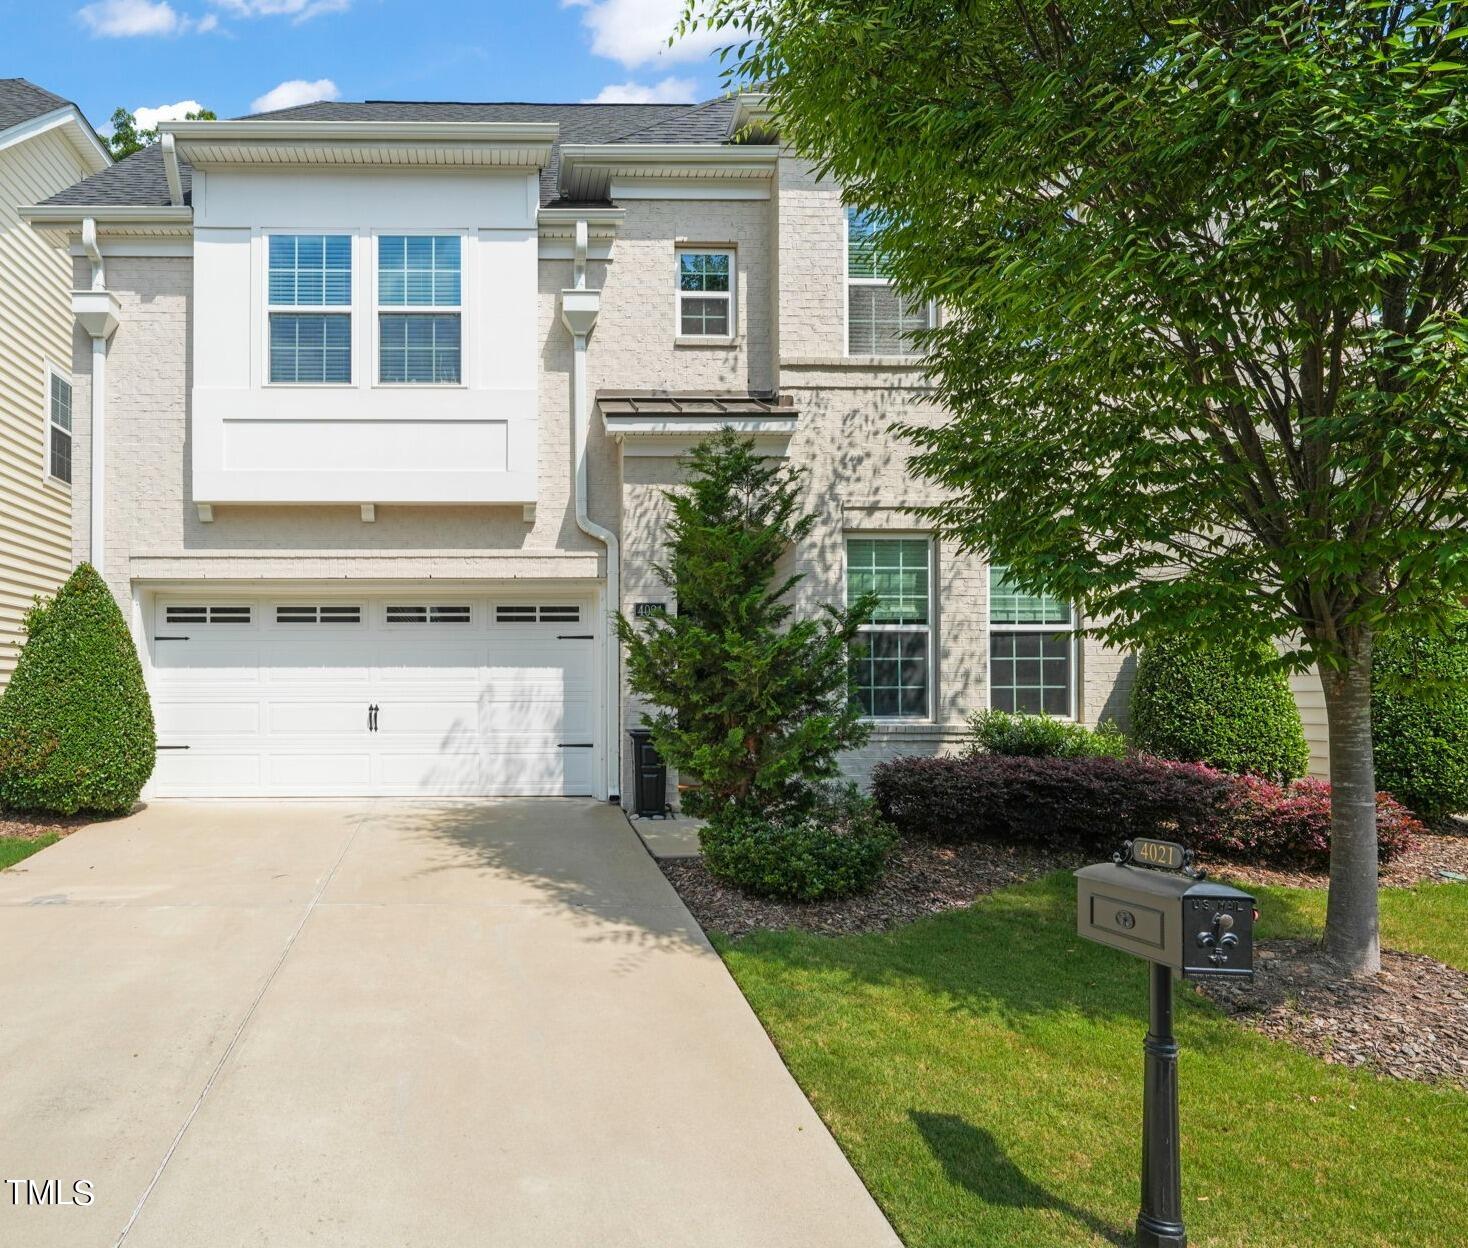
{"type": "Point", "coordinates": [910, 362]}
{"type": "Point", "coordinates": [731, 340]}
{"type": "Point", "coordinates": [56, 483]}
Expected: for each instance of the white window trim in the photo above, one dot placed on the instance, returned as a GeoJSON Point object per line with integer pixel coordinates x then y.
{"type": "Point", "coordinates": [1072, 629]}
{"type": "Point", "coordinates": [348, 309]}
{"type": "Point", "coordinates": [679, 294]}
{"type": "Point", "coordinates": [461, 309]}
{"type": "Point", "coordinates": [51, 369]}
{"type": "Point", "coordinates": [848, 282]}
{"type": "Point", "coordinates": [887, 535]}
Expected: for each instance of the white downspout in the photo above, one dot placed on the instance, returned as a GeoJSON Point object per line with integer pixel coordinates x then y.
{"type": "Point", "coordinates": [579, 309]}
{"type": "Point", "coordinates": [96, 310]}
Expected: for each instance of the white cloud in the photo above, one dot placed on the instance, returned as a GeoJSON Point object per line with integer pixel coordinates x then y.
{"type": "Point", "coordinates": [148, 118]}
{"type": "Point", "coordinates": [123, 19]}
{"type": "Point", "coordinates": [296, 91]}
{"type": "Point", "coordinates": [635, 32]}
{"type": "Point", "coordinates": [207, 23]}
{"type": "Point", "coordinates": [668, 91]}
{"type": "Point", "coordinates": [299, 10]}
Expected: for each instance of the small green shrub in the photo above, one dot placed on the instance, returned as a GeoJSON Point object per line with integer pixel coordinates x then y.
{"type": "Point", "coordinates": [1042, 736]}
{"type": "Point", "coordinates": [1419, 719]}
{"type": "Point", "coordinates": [832, 844]}
{"type": "Point", "coordinates": [1228, 708]}
{"type": "Point", "coordinates": [76, 727]}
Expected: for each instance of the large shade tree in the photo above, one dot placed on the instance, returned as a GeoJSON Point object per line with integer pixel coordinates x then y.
{"type": "Point", "coordinates": [1203, 266]}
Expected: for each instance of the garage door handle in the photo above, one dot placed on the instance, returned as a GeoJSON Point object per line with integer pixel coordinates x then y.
{"type": "Point", "coordinates": [576, 745]}
{"type": "Point", "coordinates": [372, 718]}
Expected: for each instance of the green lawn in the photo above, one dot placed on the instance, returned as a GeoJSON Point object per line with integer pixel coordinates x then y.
{"type": "Point", "coordinates": [13, 849]}
{"type": "Point", "coordinates": [982, 1070]}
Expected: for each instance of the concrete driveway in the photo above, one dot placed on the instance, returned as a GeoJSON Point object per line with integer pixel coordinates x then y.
{"type": "Point", "coordinates": [389, 1024]}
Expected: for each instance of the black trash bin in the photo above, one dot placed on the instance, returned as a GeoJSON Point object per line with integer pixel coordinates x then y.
{"type": "Point", "coordinates": [650, 791]}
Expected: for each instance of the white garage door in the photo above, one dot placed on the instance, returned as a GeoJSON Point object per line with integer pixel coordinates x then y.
{"type": "Point", "coordinates": [430, 693]}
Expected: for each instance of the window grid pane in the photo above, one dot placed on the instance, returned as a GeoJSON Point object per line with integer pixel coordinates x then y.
{"type": "Point", "coordinates": [418, 270]}
{"type": "Point", "coordinates": [419, 348]}
{"type": "Point", "coordinates": [60, 454]}
{"type": "Point", "coordinates": [705, 317]}
{"type": "Point", "coordinates": [310, 270]}
{"type": "Point", "coordinates": [861, 249]}
{"type": "Point", "coordinates": [889, 670]}
{"type": "Point", "coordinates": [703, 271]}
{"type": "Point", "coordinates": [880, 322]}
{"type": "Point", "coordinates": [1030, 673]}
{"type": "Point", "coordinates": [60, 403]}
{"type": "Point", "coordinates": [311, 347]}
{"type": "Point", "coordinates": [896, 570]}
{"type": "Point", "coordinates": [1009, 604]}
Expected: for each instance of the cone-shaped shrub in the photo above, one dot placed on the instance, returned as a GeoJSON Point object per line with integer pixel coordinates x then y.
{"type": "Point", "coordinates": [76, 727]}
{"type": "Point", "coordinates": [1419, 719]}
{"type": "Point", "coordinates": [1198, 703]}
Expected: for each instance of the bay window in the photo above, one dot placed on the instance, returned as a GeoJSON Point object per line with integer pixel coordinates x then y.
{"type": "Point", "coordinates": [419, 300]}
{"type": "Point", "coordinates": [309, 273]}
{"type": "Point", "coordinates": [891, 662]}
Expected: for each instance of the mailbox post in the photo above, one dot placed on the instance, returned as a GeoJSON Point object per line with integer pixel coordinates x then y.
{"type": "Point", "coordinates": [1150, 902]}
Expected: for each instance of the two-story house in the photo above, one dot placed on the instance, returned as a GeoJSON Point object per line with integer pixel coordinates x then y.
{"type": "Point", "coordinates": [375, 404]}
{"type": "Point", "coordinates": [46, 145]}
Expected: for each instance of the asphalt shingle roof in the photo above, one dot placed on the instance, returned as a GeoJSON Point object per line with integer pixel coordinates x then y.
{"type": "Point", "coordinates": [21, 101]}
{"type": "Point", "coordinates": [140, 179]}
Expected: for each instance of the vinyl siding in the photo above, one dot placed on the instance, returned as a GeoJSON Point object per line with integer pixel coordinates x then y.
{"type": "Point", "coordinates": [35, 327]}
{"type": "Point", "coordinates": [1311, 701]}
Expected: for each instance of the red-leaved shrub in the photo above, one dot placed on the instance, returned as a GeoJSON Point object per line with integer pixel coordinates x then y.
{"type": "Point", "coordinates": [1090, 803]}
{"type": "Point", "coordinates": [1289, 825]}
{"type": "Point", "coordinates": [1097, 803]}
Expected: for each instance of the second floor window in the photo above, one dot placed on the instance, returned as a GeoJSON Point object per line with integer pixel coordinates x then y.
{"type": "Point", "coordinates": [309, 274]}
{"type": "Point", "coordinates": [878, 320]}
{"type": "Point", "coordinates": [705, 294]}
{"type": "Point", "coordinates": [58, 429]}
{"type": "Point", "coordinates": [419, 300]}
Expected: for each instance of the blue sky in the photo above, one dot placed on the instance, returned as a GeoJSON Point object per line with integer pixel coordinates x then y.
{"type": "Point", "coordinates": [237, 55]}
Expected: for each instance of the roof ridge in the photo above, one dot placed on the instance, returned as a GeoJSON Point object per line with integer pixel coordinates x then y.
{"type": "Point", "coordinates": [693, 108]}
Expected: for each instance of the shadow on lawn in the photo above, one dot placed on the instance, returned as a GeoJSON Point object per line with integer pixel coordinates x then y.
{"type": "Point", "coordinates": [972, 1158]}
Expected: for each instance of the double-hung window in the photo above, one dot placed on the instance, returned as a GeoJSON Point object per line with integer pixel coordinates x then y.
{"type": "Point", "coordinates": [891, 661]}
{"type": "Point", "coordinates": [705, 294]}
{"type": "Point", "coordinates": [419, 309]}
{"type": "Point", "coordinates": [1031, 650]}
{"type": "Point", "coordinates": [58, 427]}
{"type": "Point", "coordinates": [309, 274]}
{"type": "Point", "coordinates": [879, 321]}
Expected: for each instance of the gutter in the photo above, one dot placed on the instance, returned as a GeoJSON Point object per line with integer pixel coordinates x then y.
{"type": "Point", "coordinates": [579, 310]}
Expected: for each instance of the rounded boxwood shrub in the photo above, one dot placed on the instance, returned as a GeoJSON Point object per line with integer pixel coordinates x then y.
{"type": "Point", "coordinates": [1043, 736]}
{"type": "Point", "coordinates": [1210, 704]}
{"type": "Point", "coordinates": [1419, 719]}
{"type": "Point", "coordinates": [76, 726]}
{"type": "Point", "coordinates": [830, 845]}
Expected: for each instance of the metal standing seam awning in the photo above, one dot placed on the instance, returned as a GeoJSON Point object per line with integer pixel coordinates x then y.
{"type": "Point", "coordinates": [671, 422]}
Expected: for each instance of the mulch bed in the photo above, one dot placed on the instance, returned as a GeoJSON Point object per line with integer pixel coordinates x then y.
{"type": "Point", "coordinates": [1445, 849]}
{"type": "Point", "coordinates": [920, 879]}
{"type": "Point", "coordinates": [32, 827]}
{"type": "Point", "coordinates": [1408, 1022]}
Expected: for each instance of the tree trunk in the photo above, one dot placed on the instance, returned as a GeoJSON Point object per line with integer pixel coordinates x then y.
{"type": "Point", "coordinates": [1352, 934]}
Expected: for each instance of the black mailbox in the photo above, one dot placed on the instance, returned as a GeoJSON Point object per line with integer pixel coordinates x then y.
{"type": "Point", "coordinates": [1150, 902]}
{"type": "Point", "coordinates": [1194, 926]}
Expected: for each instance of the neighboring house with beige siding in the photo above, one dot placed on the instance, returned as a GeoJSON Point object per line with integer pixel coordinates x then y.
{"type": "Point", "coordinates": [45, 146]}
{"type": "Point", "coordinates": [376, 404]}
